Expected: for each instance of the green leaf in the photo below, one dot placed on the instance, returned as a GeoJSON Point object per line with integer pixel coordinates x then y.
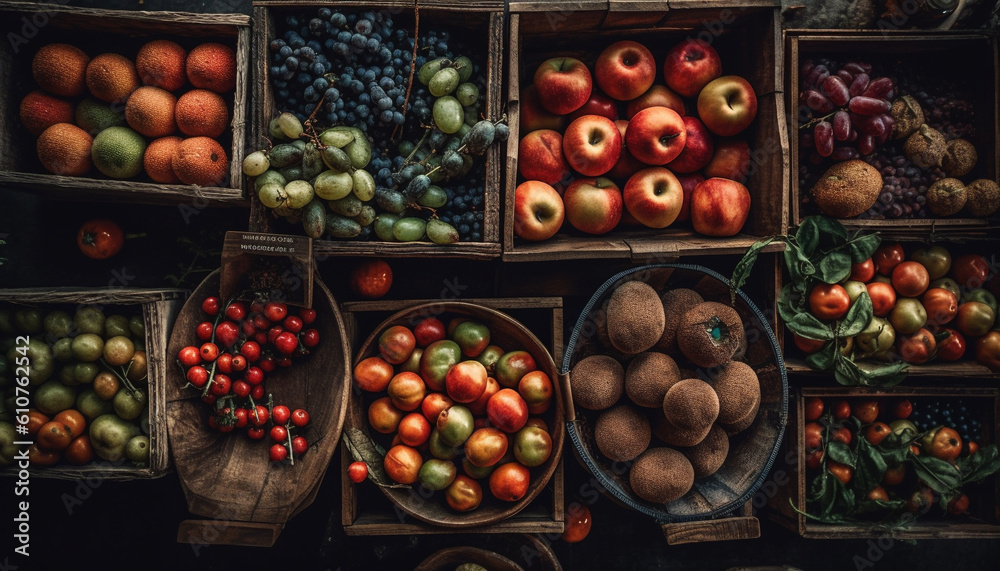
{"type": "Point", "coordinates": [798, 264]}
{"type": "Point", "coordinates": [980, 465]}
{"type": "Point", "coordinates": [823, 359]}
{"type": "Point", "coordinates": [862, 247]}
{"type": "Point", "coordinates": [939, 475]}
{"type": "Point", "coordinates": [364, 449]}
{"type": "Point", "coordinates": [895, 449]}
{"type": "Point", "coordinates": [791, 301]}
{"type": "Point", "coordinates": [830, 228]}
{"type": "Point", "coordinates": [834, 266]}
{"type": "Point", "coordinates": [806, 325]}
{"type": "Point", "coordinates": [742, 270]}
{"type": "Point", "coordinates": [878, 508]}
{"type": "Point", "coordinates": [846, 371]}
{"type": "Point", "coordinates": [871, 465]}
{"type": "Point", "coordinates": [857, 318]}
{"type": "Point", "coordinates": [807, 236]}
{"type": "Point", "coordinates": [840, 452]}
{"type": "Point", "coordinates": [885, 375]}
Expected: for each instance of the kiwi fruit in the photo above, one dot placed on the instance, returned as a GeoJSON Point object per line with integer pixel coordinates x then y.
{"type": "Point", "coordinates": [675, 302]}
{"type": "Point", "coordinates": [738, 389]}
{"type": "Point", "coordinates": [691, 404]}
{"type": "Point", "coordinates": [596, 382]}
{"type": "Point", "coordinates": [710, 333]}
{"type": "Point", "coordinates": [743, 423]}
{"type": "Point", "coordinates": [649, 376]}
{"type": "Point", "coordinates": [661, 475]}
{"type": "Point", "coordinates": [710, 454]}
{"type": "Point", "coordinates": [622, 433]}
{"type": "Point", "coordinates": [674, 436]}
{"type": "Point", "coordinates": [847, 189]}
{"type": "Point", "coordinates": [982, 197]}
{"type": "Point", "coordinates": [634, 317]}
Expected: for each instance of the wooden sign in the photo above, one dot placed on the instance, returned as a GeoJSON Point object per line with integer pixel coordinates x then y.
{"type": "Point", "coordinates": [275, 266]}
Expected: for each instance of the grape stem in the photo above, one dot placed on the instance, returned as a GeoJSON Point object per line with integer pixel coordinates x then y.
{"type": "Point", "coordinates": [396, 131]}
{"type": "Point", "coordinates": [416, 147]}
{"type": "Point", "coordinates": [817, 120]}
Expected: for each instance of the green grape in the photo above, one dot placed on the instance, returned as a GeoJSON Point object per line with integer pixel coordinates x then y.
{"type": "Point", "coordinates": [360, 150]}
{"type": "Point", "coordinates": [364, 185]}
{"type": "Point", "coordinates": [464, 67]}
{"type": "Point", "coordinates": [435, 174]}
{"type": "Point", "coordinates": [283, 155]}
{"type": "Point", "coordinates": [435, 197]}
{"type": "Point", "coordinates": [292, 172]}
{"type": "Point", "coordinates": [441, 232]}
{"type": "Point", "coordinates": [444, 82]}
{"type": "Point", "coordinates": [299, 193]}
{"type": "Point", "coordinates": [467, 93]}
{"type": "Point", "coordinates": [256, 163]}
{"type": "Point", "coordinates": [270, 175]}
{"type": "Point", "coordinates": [332, 185]}
{"type": "Point", "coordinates": [312, 162]}
{"type": "Point", "coordinates": [430, 68]}
{"type": "Point", "coordinates": [383, 226]}
{"type": "Point", "coordinates": [341, 226]}
{"type": "Point", "coordinates": [390, 200]}
{"type": "Point", "coordinates": [471, 113]}
{"type": "Point", "coordinates": [271, 195]}
{"type": "Point", "coordinates": [290, 125]}
{"type": "Point", "coordinates": [449, 115]}
{"type": "Point", "coordinates": [409, 229]}
{"type": "Point", "coordinates": [366, 216]}
{"type": "Point", "coordinates": [348, 206]}
{"type": "Point", "coordinates": [337, 159]}
{"type": "Point", "coordinates": [337, 136]}
{"type": "Point", "coordinates": [314, 218]}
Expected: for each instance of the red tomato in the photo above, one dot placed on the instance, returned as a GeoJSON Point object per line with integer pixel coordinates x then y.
{"type": "Point", "coordinates": [910, 279]}
{"type": "Point", "coordinates": [940, 304]}
{"type": "Point", "coordinates": [883, 298]}
{"type": "Point", "coordinates": [876, 433]}
{"type": "Point", "coordinates": [841, 410]}
{"type": "Point", "coordinates": [300, 445]}
{"type": "Point", "coordinates": [100, 238]}
{"type": "Point", "coordinates": [578, 523]}
{"type": "Point", "coordinates": [887, 257]}
{"type": "Point", "coordinates": [902, 409]}
{"type": "Point", "coordinates": [970, 271]}
{"type": "Point", "coordinates": [278, 453]}
{"type": "Point", "coordinates": [357, 472]}
{"type": "Point", "coordinates": [988, 350]}
{"type": "Point", "coordinates": [829, 301]}
{"type": "Point", "coordinates": [280, 414]}
{"type": "Point", "coordinates": [866, 411]}
{"type": "Point", "coordinates": [813, 435]}
{"type": "Point", "coordinates": [807, 345]}
{"type": "Point", "coordinates": [842, 472]}
{"type": "Point", "coordinates": [952, 347]}
{"type": "Point", "coordinates": [842, 434]}
{"type": "Point", "coordinates": [189, 356]}
{"type": "Point", "coordinates": [917, 348]}
{"type": "Point", "coordinates": [863, 271]}
{"type": "Point", "coordinates": [300, 417]}
{"type": "Point", "coordinates": [814, 408]}
{"type": "Point", "coordinates": [371, 278]}
{"type": "Point", "coordinates": [211, 306]}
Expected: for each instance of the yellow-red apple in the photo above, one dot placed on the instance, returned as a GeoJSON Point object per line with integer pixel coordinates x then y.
{"type": "Point", "coordinates": [654, 197]}
{"type": "Point", "coordinates": [699, 147]}
{"type": "Point", "coordinates": [655, 135]}
{"type": "Point", "coordinates": [592, 145]}
{"type": "Point", "coordinates": [563, 84]}
{"type": "Point", "coordinates": [593, 205]}
{"type": "Point", "coordinates": [540, 156]}
{"type": "Point", "coordinates": [690, 65]}
{"type": "Point", "coordinates": [727, 105]}
{"type": "Point", "coordinates": [538, 211]}
{"type": "Point", "coordinates": [625, 70]}
{"type": "Point", "coordinates": [719, 207]}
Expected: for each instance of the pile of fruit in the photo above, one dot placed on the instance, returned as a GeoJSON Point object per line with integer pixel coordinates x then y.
{"type": "Point", "coordinates": [609, 144]}
{"type": "Point", "coordinates": [75, 385]}
{"type": "Point", "coordinates": [665, 388]}
{"type": "Point", "coordinates": [161, 112]}
{"type": "Point", "coordinates": [875, 147]}
{"type": "Point", "coordinates": [459, 409]}
{"type": "Point", "coordinates": [402, 126]}
{"type": "Point", "coordinates": [239, 344]}
{"type": "Point", "coordinates": [868, 461]}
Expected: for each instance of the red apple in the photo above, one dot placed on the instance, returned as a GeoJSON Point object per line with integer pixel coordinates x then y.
{"type": "Point", "coordinates": [688, 182]}
{"type": "Point", "coordinates": [656, 96]}
{"type": "Point", "coordinates": [563, 84]}
{"type": "Point", "coordinates": [592, 145]}
{"type": "Point", "coordinates": [627, 165]}
{"type": "Point", "coordinates": [532, 116]}
{"type": "Point", "coordinates": [727, 105]}
{"type": "Point", "coordinates": [654, 197]}
{"type": "Point", "coordinates": [719, 207]}
{"type": "Point", "coordinates": [731, 160]}
{"type": "Point", "coordinates": [593, 205]}
{"type": "Point", "coordinates": [690, 65]}
{"type": "Point", "coordinates": [656, 135]}
{"type": "Point", "coordinates": [598, 104]}
{"type": "Point", "coordinates": [540, 156]}
{"type": "Point", "coordinates": [699, 147]}
{"type": "Point", "coordinates": [625, 70]}
{"type": "Point", "coordinates": [538, 210]}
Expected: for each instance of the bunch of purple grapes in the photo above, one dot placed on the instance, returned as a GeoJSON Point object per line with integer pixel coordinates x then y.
{"type": "Point", "coordinates": [844, 111]}
{"type": "Point", "coordinates": [904, 185]}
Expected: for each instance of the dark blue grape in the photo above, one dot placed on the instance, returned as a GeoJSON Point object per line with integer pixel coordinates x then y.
{"type": "Point", "coordinates": [338, 19]}
{"type": "Point", "coordinates": [373, 45]}
{"type": "Point", "coordinates": [362, 111]}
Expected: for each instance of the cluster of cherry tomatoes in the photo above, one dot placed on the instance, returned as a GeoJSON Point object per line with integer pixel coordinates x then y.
{"type": "Point", "coordinates": [240, 343]}
{"type": "Point", "coordinates": [925, 306]}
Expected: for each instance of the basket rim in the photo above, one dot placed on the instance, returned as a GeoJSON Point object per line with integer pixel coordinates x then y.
{"type": "Point", "coordinates": [611, 486]}
{"type": "Point", "coordinates": [556, 430]}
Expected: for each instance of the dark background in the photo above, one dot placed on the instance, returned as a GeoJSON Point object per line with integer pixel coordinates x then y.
{"type": "Point", "coordinates": [134, 524]}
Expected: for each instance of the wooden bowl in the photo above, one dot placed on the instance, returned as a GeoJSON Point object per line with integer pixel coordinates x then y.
{"type": "Point", "coordinates": [508, 334]}
{"type": "Point", "coordinates": [450, 557]}
{"type": "Point", "coordinates": [751, 452]}
{"type": "Point", "coordinates": [229, 476]}
{"type": "Point", "coordinates": [497, 552]}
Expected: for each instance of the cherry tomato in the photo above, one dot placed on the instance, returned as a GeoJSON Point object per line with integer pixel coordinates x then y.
{"type": "Point", "coordinates": [220, 385]}
{"type": "Point", "coordinates": [224, 363]}
{"type": "Point", "coordinates": [259, 415]}
{"type": "Point", "coordinates": [357, 472]}
{"type": "Point", "coordinates": [250, 350]}
{"type": "Point", "coordinates": [308, 315]}
{"type": "Point", "coordinates": [241, 417]}
{"type": "Point", "coordinates": [209, 352]}
{"type": "Point", "coordinates": [829, 301]}
{"type": "Point", "coordinates": [285, 362]}
{"type": "Point", "coordinates": [841, 410]}
{"type": "Point", "coordinates": [887, 257]}
{"type": "Point", "coordinates": [866, 411]}
{"type": "Point", "coordinates": [260, 322]}
{"type": "Point", "coordinates": [278, 453]}
{"type": "Point", "coordinates": [814, 459]}
{"type": "Point", "coordinates": [100, 238]}
{"type": "Point", "coordinates": [257, 393]}
{"type": "Point", "coordinates": [894, 475]}
{"type": "Point", "coordinates": [813, 436]}
{"type": "Point", "coordinates": [863, 271]}
{"type": "Point", "coordinates": [256, 307]}
{"type": "Point", "coordinates": [959, 505]}
{"type": "Point", "coordinates": [236, 311]}
{"type": "Point", "coordinates": [211, 306]}
{"type": "Point", "coordinates": [204, 330]}
{"type": "Point", "coordinates": [578, 522]}
{"type": "Point", "coordinates": [280, 414]}
{"type": "Point", "coordinates": [274, 332]}
{"type": "Point", "coordinates": [255, 432]}
{"type": "Point", "coordinates": [970, 271]}
{"type": "Point", "coordinates": [292, 323]}
{"type": "Point", "coordinates": [299, 445]}
{"type": "Point", "coordinates": [310, 338]}
{"type": "Point", "coordinates": [300, 417]}
{"type": "Point", "coordinates": [279, 433]}
{"type": "Point", "coordinates": [275, 311]}
{"type": "Point", "coordinates": [910, 279]}
{"type": "Point", "coordinates": [197, 376]}
{"type": "Point", "coordinates": [254, 375]}
{"type": "Point", "coordinates": [247, 328]}
{"type": "Point", "coordinates": [286, 343]}
{"type": "Point", "coordinates": [842, 472]}
{"type": "Point", "coordinates": [952, 347]}
{"type": "Point", "coordinates": [189, 356]}
{"type": "Point", "coordinates": [209, 398]}
{"type": "Point", "coordinates": [371, 278]}
{"type": "Point", "coordinates": [842, 434]}
{"type": "Point", "coordinates": [260, 338]}
{"type": "Point", "coordinates": [876, 433]}
{"type": "Point", "coordinates": [267, 364]}
{"type": "Point", "coordinates": [814, 408]}
{"type": "Point", "coordinates": [241, 389]}
{"type": "Point", "coordinates": [902, 409]}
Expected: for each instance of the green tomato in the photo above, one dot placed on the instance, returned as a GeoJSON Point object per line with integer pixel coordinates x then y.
{"type": "Point", "coordinates": [37, 356]}
{"type": "Point", "coordinates": [28, 321]}
{"type": "Point", "coordinates": [981, 295]}
{"type": "Point", "coordinates": [936, 259]}
{"type": "Point", "coordinates": [437, 359]}
{"type": "Point", "coordinates": [89, 319]}
{"type": "Point", "coordinates": [53, 397]}
{"type": "Point", "coordinates": [116, 326]}
{"type": "Point", "coordinates": [88, 347]}
{"type": "Point", "coordinates": [59, 324]}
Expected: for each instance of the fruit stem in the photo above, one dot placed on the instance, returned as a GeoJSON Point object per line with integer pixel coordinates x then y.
{"type": "Point", "coordinates": [291, 453]}
{"type": "Point", "coordinates": [817, 120]}
{"type": "Point", "coordinates": [413, 67]}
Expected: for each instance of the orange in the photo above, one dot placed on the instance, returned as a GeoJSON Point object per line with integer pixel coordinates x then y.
{"type": "Point", "coordinates": [60, 69]}
{"type": "Point", "coordinates": [161, 63]}
{"type": "Point", "coordinates": [64, 149]}
{"type": "Point", "coordinates": [150, 111]}
{"type": "Point", "coordinates": [202, 113]}
{"type": "Point", "coordinates": [39, 111]}
{"type": "Point", "coordinates": [157, 160]}
{"type": "Point", "coordinates": [212, 66]}
{"type": "Point", "coordinates": [201, 161]}
{"type": "Point", "coordinates": [111, 77]}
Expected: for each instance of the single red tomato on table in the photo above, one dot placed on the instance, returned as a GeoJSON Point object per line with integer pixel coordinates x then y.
{"type": "Point", "coordinates": [100, 238]}
{"type": "Point", "coordinates": [371, 278]}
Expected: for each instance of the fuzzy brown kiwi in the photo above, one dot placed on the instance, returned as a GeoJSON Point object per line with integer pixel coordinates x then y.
{"type": "Point", "coordinates": [738, 389]}
{"type": "Point", "coordinates": [675, 303]}
{"type": "Point", "coordinates": [681, 437]}
{"type": "Point", "coordinates": [648, 377]}
{"type": "Point", "coordinates": [622, 433]}
{"type": "Point", "coordinates": [710, 454]}
{"type": "Point", "coordinates": [635, 317]}
{"type": "Point", "coordinates": [743, 423]}
{"type": "Point", "coordinates": [661, 475]}
{"type": "Point", "coordinates": [709, 333]}
{"type": "Point", "coordinates": [691, 404]}
{"type": "Point", "coordinates": [596, 382]}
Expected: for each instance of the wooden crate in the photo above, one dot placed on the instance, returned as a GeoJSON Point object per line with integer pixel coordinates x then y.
{"type": "Point", "coordinates": [969, 55]}
{"type": "Point", "coordinates": [981, 522]}
{"type": "Point", "coordinates": [158, 308]}
{"type": "Point", "coordinates": [366, 511]}
{"type": "Point", "coordinates": [31, 25]}
{"type": "Point", "coordinates": [476, 23]}
{"type": "Point", "coordinates": [747, 35]}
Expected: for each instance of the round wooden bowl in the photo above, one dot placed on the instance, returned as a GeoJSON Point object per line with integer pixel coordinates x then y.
{"type": "Point", "coordinates": [450, 557]}
{"type": "Point", "coordinates": [751, 451]}
{"type": "Point", "coordinates": [516, 551]}
{"type": "Point", "coordinates": [506, 333]}
{"type": "Point", "coordinates": [229, 476]}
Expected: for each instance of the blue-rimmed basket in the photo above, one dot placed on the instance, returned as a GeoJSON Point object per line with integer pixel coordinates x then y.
{"type": "Point", "coordinates": [752, 451]}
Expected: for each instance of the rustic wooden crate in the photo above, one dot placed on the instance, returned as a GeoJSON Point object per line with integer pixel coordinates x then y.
{"type": "Point", "coordinates": [747, 34]}
{"type": "Point", "coordinates": [367, 511]}
{"type": "Point", "coordinates": [982, 522]}
{"type": "Point", "coordinates": [968, 54]}
{"type": "Point", "coordinates": [159, 308]}
{"type": "Point", "coordinates": [122, 31]}
{"type": "Point", "coordinates": [477, 23]}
